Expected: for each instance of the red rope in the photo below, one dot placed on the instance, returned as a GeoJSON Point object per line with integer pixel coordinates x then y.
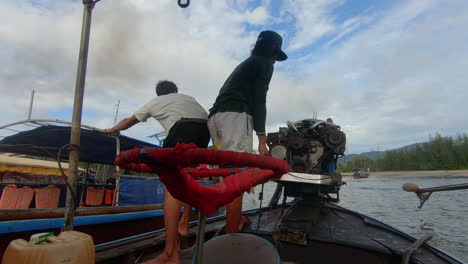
{"type": "Point", "coordinates": [170, 165]}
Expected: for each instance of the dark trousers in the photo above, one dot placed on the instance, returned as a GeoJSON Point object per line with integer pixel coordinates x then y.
{"type": "Point", "coordinates": [188, 130]}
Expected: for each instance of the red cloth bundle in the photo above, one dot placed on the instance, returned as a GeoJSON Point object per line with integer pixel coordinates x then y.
{"type": "Point", "coordinates": [170, 165]}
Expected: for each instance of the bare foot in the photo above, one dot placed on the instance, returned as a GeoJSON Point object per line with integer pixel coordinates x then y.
{"type": "Point", "coordinates": [183, 229]}
{"type": "Point", "coordinates": [164, 258]}
{"type": "Point", "coordinates": [243, 221]}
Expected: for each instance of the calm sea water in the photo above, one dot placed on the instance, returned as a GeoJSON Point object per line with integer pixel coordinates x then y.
{"type": "Point", "coordinates": [444, 215]}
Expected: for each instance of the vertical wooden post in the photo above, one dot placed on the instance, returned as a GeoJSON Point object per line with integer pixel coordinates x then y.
{"type": "Point", "coordinates": [74, 157]}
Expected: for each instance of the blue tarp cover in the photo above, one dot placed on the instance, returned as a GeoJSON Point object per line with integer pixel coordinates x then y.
{"type": "Point", "coordinates": [137, 190]}
{"type": "Point", "coordinates": [140, 190]}
{"type": "Point", "coordinates": [45, 141]}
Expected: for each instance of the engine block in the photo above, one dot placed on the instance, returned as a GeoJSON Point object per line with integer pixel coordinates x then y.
{"type": "Point", "coordinates": [310, 145]}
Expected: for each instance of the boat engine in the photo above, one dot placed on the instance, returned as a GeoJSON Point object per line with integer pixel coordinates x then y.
{"type": "Point", "coordinates": [310, 146]}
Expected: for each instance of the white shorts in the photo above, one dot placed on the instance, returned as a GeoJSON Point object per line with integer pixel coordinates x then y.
{"type": "Point", "coordinates": [232, 131]}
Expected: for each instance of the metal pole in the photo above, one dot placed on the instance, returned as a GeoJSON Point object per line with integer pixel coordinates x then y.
{"type": "Point", "coordinates": [31, 104]}
{"type": "Point", "coordinates": [200, 238]}
{"type": "Point", "coordinates": [117, 174]}
{"type": "Point", "coordinates": [453, 187]}
{"type": "Point", "coordinates": [260, 197]}
{"type": "Point", "coordinates": [74, 158]}
{"type": "Point", "coordinates": [116, 111]}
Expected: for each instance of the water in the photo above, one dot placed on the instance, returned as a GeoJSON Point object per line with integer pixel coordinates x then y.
{"type": "Point", "coordinates": [443, 216]}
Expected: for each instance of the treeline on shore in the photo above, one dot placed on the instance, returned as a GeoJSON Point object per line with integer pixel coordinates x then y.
{"type": "Point", "coordinates": [439, 153]}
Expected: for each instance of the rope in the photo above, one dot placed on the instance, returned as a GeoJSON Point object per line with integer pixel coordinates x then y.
{"type": "Point", "coordinates": [70, 189]}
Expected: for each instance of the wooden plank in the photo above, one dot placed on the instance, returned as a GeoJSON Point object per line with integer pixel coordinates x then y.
{"type": "Point", "coordinates": [34, 213]}
{"type": "Point", "coordinates": [144, 242]}
{"type": "Point", "coordinates": [128, 246]}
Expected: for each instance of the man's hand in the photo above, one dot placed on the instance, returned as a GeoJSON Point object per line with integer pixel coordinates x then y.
{"type": "Point", "coordinates": [122, 125]}
{"type": "Point", "coordinates": [112, 131]}
{"type": "Point", "coordinates": [262, 147]}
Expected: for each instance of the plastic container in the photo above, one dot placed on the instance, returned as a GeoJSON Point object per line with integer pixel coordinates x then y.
{"type": "Point", "coordinates": [70, 247]}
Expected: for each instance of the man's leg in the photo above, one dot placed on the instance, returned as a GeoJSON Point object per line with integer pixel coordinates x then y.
{"type": "Point", "coordinates": [170, 254]}
{"type": "Point", "coordinates": [233, 131]}
{"type": "Point", "coordinates": [233, 215]}
{"type": "Point", "coordinates": [184, 220]}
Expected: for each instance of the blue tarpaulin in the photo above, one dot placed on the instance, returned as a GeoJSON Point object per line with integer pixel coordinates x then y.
{"type": "Point", "coordinates": [45, 141]}
{"type": "Point", "coordinates": [140, 190]}
{"type": "Point", "coordinates": [137, 190]}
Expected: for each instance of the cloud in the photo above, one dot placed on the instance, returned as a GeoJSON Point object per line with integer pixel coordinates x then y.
{"type": "Point", "coordinates": [407, 69]}
{"type": "Point", "coordinates": [389, 76]}
{"type": "Point", "coordinates": [313, 20]}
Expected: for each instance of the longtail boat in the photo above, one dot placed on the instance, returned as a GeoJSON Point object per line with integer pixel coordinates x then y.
{"type": "Point", "coordinates": [306, 227]}
{"type": "Point", "coordinates": [124, 215]}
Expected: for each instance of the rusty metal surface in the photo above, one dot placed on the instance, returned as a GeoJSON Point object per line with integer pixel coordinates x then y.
{"type": "Point", "coordinates": [291, 235]}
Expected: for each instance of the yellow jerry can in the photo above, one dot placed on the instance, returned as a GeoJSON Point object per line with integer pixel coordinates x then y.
{"type": "Point", "coordinates": [70, 247]}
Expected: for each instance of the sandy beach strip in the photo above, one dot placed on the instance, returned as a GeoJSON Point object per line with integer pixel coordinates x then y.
{"type": "Point", "coordinates": [439, 173]}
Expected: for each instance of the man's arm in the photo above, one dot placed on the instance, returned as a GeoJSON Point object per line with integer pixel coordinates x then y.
{"type": "Point", "coordinates": [264, 72]}
{"type": "Point", "coordinates": [122, 125]}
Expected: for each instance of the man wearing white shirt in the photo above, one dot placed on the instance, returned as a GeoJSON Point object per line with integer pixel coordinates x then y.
{"type": "Point", "coordinates": [185, 121]}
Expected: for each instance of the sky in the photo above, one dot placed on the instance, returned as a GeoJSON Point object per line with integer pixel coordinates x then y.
{"type": "Point", "coordinates": [390, 73]}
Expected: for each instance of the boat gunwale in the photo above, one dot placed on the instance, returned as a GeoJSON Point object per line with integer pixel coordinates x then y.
{"type": "Point", "coordinates": [393, 229]}
{"type": "Point", "coordinates": [50, 213]}
{"type": "Point", "coordinates": [7, 227]}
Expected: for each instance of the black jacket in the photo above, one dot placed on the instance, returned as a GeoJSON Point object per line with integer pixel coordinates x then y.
{"type": "Point", "coordinates": [245, 91]}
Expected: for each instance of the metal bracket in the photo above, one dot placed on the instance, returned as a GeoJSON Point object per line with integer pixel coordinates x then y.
{"type": "Point", "coordinates": [415, 246]}
{"type": "Point", "coordinates": [292, 235]}
{"type": "Point", "coordinates": [423, 197]}
{"type": "Point", "coordinates": [187, 3]}
{"type": "Point", "coordinates": [90, 3]}
{"type": "Point", "coordinates": [200, 238]}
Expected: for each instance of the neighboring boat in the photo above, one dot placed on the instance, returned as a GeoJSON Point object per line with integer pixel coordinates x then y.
{"type": "Point", "coordinates": [359, 173]}
{"type": "Point", "coordinates": [19, 169]}
{"type": "Point", "coordinates": [120, 216]}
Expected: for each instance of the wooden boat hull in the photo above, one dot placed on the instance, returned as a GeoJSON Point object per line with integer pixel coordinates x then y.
{"type": "Point", "coordinates": [34, 213]}
{"type": "Point", "coordinates": [340, 236]}
{"type": "Point", "coordinates": [104, 224]}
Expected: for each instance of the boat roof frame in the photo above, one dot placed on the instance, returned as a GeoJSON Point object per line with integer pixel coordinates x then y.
{"type": "Point", "coordinates": [48, 122]}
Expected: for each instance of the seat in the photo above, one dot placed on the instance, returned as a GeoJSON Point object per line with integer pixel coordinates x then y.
{"type": "Point", "coordinates": [16, 198]}
{"type": "Point", "coordinates": [94, 197]}
{"type": "Point", "coordinates": [239, 248]}
{"type": "Point", "coordinates": [47, 197]}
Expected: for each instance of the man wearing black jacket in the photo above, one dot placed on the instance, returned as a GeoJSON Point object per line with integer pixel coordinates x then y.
{"type": "Point", "coordinates": [240, 109]}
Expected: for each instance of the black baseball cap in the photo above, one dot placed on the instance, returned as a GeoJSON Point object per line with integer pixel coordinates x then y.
{"type": "Point", "coordinates": [272, 38]}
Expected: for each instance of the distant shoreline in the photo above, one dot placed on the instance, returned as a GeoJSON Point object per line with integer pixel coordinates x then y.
{"type": "Point", "coordinates": [443, 173]}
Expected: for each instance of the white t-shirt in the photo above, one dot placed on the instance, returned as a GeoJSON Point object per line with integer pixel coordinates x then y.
{"type": "Point", "coordinates": [169, 108]}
